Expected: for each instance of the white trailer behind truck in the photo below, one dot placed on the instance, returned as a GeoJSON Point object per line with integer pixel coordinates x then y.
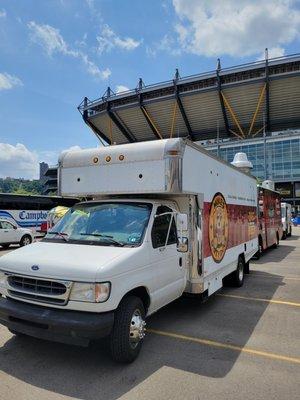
{"type": "Point", "coordinates": [167, 218]}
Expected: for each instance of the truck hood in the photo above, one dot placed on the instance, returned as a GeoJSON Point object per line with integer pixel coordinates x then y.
{"type": "Point", "coordinates": [64, 261]}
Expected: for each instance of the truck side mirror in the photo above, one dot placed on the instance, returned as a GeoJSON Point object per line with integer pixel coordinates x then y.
{"type": "Point", "coordinates": [182, 244]}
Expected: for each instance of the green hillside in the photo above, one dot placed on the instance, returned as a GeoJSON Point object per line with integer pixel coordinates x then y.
{"type": "Point", "coordinates": [20, 186]}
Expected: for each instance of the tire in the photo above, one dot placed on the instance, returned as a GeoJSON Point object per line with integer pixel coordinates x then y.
{"type": "Point", "coordinates": [129, 321]}
{"type": "Point", "coordinates": [247, 268]}
{"type": "Point", "coordinates": [275, 245]}
{"type": "Point", "coordinates": [16, 333]}
{"type": "Point", "coordinates": [259, 252]}
{"type": "Point", "coordinates": [236, 279]}
{"type": "Point", "coordinates": [26, 239]}
{"type": "Point", "coordinates": [5, 246]}
{"type": "Point", "coordinates": [284, 235]}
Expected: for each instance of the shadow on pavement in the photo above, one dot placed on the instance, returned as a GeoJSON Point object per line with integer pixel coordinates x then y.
{"type": "Point", "coordinates": [275, 255]}
{"type": "Point", "coordinates": [89, 373]}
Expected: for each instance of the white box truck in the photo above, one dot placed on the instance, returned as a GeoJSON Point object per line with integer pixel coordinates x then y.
{"type": "Point", "coordinates": [167, 217]}
{"type": "Point", "coordinates": [286, 219]}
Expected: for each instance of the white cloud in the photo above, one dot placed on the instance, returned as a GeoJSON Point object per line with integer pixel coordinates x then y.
{"type": "Point", "coordinates": [52, 42]}
{"type": "Point", "coordinates": [121, 88]}
{"type": "Point", "coordinates": [108, 40]}
{"type": "Point", "coordinates": [73, 148]}
{"type": "Point", "coordinates": [274, 52]}
{"type": "Point", "coordinates": [18, 162]}
{"type": "Point", "coordinates": [9, 81]}
{"type": "Point", "coordinates": [2, 13]}
{"type": "Point", "coordinates": [166, 44]}
{"type": "Point", "coordinates": [82, 42]}
{"type": "Point", "coordinates": [49, 38]}
{"type": "Point", "coordinates": [51, 156]}
{"type": "Point", "coordinates": [236, 27]}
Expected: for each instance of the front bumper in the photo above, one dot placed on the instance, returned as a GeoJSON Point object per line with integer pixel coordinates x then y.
{"type": "Point", "coordinates": [65, 326]}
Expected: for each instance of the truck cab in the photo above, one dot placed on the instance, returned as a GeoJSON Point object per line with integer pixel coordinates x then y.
{"type": "Point", "coordinates": [129, 249]}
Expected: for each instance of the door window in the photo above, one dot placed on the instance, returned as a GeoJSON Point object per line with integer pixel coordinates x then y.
{"type": "Point", "coordinates": [162, 233]}
{"type": "Point", "coordinates": [173, 233]}
{"type": "Point", "coordinates": [6, 225]}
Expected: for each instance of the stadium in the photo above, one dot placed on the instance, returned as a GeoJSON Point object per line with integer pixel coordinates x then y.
{"type": "Point", "coordinates": [253, 107]}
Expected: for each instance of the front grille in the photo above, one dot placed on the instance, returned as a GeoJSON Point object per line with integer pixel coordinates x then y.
{"type": "Point", "coordinates": [37, 286]}
{"type": "Point", "coordinates": [41, 290]}
{"type": "Point", "coordinates": [35, 297]}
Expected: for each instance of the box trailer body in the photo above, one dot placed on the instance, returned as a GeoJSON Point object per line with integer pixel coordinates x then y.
{"type": "Point", "coordinates": [286, 219]}
{"type": "Point", "coordinates": [269, 218]}
{"type": "Point", "coordinates": [167, 217]}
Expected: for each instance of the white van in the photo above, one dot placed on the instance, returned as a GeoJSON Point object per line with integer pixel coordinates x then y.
{"type": "Point", "coordinates": [10, 233]}
{"type": "Point", "coordinates": [286, 218]}
{"type": "Point", "coordinates": [167, 218]}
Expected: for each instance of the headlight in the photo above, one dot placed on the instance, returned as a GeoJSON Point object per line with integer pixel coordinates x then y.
{"type": "Point", "coordinates": [90, 292]}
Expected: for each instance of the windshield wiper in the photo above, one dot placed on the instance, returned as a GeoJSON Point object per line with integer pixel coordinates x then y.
{"type": "Point", "coordinates": [63, 235]}
{"type": "Point", "coordinates": [110, 238]}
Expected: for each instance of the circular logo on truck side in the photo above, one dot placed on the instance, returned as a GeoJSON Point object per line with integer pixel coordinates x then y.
{"type": "Point", "coordinates": [218, 227]}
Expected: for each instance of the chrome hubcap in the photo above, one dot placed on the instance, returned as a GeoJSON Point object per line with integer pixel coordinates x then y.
{"type": "Point", "coordinates": [137, 328]}
{"type": "Point", "coordinates": [26, 241]}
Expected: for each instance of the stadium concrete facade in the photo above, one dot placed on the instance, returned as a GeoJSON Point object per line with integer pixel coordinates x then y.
{"type": "Point", "coordinates": [253, 107]}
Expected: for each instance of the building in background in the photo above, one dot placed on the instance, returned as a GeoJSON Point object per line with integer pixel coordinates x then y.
{"type": "Point", "coordinates": [48, 178]}
{"type": "Point", "coordinates": [275, 157]}
{"type": "Point", "coordinates": [253, 107]}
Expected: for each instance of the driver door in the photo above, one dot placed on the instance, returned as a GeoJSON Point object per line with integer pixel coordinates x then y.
{"type": "Point", "coordinates": [7, 232]}
{"type": "Point", "coordinates": [167, 261]}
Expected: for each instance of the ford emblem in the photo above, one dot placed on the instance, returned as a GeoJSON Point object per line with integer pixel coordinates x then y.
{"type": "Point", "coordinates": [35, 268]}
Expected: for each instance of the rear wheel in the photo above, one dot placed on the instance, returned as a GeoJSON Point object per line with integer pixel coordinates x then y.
{"type": "Point", "coordinates": [236, 278]}
{"type": "Point", "coordinates": [26, 239]}
{"type": "Point", "coordinates": [128, 331]}
{"type": "Point", "coordinates": [284, 235]}
{"type": "Point", "coordinates": [259, 252]}
{"type": "Point", "coordinates": [16, 333]}
{"type": "Point", "coordinates": [275, 245]}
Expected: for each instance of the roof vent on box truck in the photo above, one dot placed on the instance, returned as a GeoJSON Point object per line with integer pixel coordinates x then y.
{"type": "Point", "coordinates": [268, 184]}
{"type": "Point", "coordinates": [241, 161]}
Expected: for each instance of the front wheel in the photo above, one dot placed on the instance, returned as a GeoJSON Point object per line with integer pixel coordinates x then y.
{"type": "Point", "coordinates": [128, 331]}
{"type": "Point", "coordinates": [247, 267]}
{"type": "Point", "coordinates": [26, 239]}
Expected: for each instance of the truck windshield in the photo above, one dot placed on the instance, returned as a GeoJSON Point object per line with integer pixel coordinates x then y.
{"type": "Point", "coordinates": [107, 224]}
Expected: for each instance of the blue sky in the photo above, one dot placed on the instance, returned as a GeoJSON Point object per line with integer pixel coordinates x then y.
{"type": "Point", "coordinates": [55, 52]}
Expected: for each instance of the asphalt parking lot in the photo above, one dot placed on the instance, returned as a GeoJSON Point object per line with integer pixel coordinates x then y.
{"type": "Point", "coordinates": [241, 344]}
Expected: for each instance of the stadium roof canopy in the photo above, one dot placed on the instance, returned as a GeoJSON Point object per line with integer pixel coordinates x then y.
{"type": "Point", "coordinates": [237, 102]}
